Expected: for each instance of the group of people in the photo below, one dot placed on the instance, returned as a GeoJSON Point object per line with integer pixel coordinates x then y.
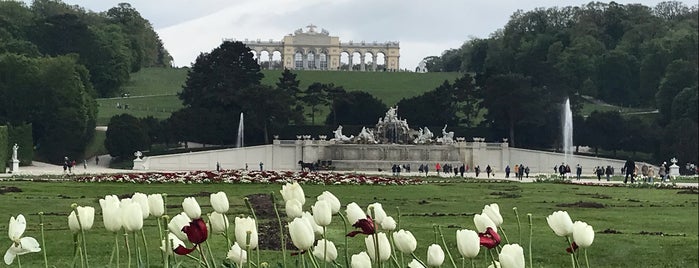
{"type": "Point", "coordinates": [519, 171]}
{"type": "Point", "coordinates": [446, 169]}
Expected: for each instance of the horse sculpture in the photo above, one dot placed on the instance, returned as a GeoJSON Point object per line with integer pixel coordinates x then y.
{"type": "Point", "coordinates": [307, 166]}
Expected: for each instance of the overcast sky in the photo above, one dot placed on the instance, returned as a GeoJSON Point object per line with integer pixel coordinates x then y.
{"type": "Point", "coordinates": [424, 28]}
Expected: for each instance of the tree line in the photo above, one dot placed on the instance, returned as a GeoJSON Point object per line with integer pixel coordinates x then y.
{"type": "Point", "coordinates": [55, 59]}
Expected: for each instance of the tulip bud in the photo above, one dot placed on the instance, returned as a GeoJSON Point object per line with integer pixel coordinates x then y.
{"type": "Point", "coordinates": [493, 212]}
{"type": "Point", "coordinates": [327, 254]}
{"type": "Point", "coordinates": [405, 241]}
{"type": "Point", "coordinates": [560, 223]}
{"type": "Point", "coordinates": [361, 260]}
{"type": "Point", "coordinates": [583, 234]}
{"type": "Point", "coordinates": [482, 223]}
{"type": "Point", "coordinates": [301, 234]}
{"type": "Point", "coordinates": [156, 204]}
{"type": "Point", "coordinates": [173, 244]}
{"type": "Point", "coordinates": [415, 264]}
{"type": "Point", "coordinates": [384, 247]}
{"type": "Point", "coordinates": [131, 215]}
{"type": "Point", "coordinates": [332, 200]}
{"type": "Point", "coordinates": [237, 254]}
{"type": "Point", "coordinates": [177, 223]}
{"type": "Point", "coordinates": [142, 201]}
{"type": "Point", "coordinates": [294, 209]}
{"type": "Point", "coordinates": [317, 229]}
{"type": "Point", "coordinates": [111, 214]}
{"type": "Point", "coordinates": [379, 214]}
{"type": "Point", "coordinates": [322, 213]}
{"type": "Point", "coordinates": [219, 201]}
{"type": "Point", "coordinates": [218, 222]}
{"type": "Point", "coordinates": [468, 243]}
{"type": "Point", "coordinates": [191, 207]}
{"type": "Point", "coordinates": [86, 215]}
{"type": "Point", "coordinates": [293, 191]}
{"type": "Point", "coordinates": [512, 256]}
{"type": "Point", "coordinates": [435, 255]}
{"type": "Point", "coordinates": [354, 213]}
{"type": "Point", "coordinates": [242, 227]}
{"type": "Point", "coordinates": [388, 224]}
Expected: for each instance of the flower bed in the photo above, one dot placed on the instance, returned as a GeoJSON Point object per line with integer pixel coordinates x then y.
{"type": "Point", "coordinates": [242, 176]}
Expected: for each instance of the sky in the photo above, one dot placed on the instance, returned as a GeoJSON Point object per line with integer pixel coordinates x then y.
{"type": "Point", "coordinates": [423, 28]}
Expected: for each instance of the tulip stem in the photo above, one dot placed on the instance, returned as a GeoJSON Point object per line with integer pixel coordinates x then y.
{"type": "Point", "coordinates": [444, 243]}
{"type": "Point", "coordinates": [43, 240]}
{"type": "Point", "coordinates": [531, 237]}
{"type": "Point", "coordinates": [208, 248]}
{"type": "Point", "coordinates": [145, 245]}
{"type": "Point", "coordinates": [375, 237]}
{"type": "Point", "coordinates": [519, 225]}
{"type": "Point", "coordinates": [19, 263]}
{"type": "Point", "coordinates": [160, 234]}
{"type": "Point", "coordinates": [587, 262]}
{"type": "Point", "coordinates": [128, 250]}
{"type": "Point", "coordinates": [313, 260]}
{"type": "Point", "coordinates": [203, 256]}
{"type": "Point", "coordinates": [572, 252]}
{"type": "Point", "coordinates": [492, 258]}
{"type": "Point", "coordinates": [116, 250]}
{"type": "Point", "coordinates": [227, 234]}
{"type": "Point", "coordinates": [139, 262]}
{"type": "Point", "coordinates": [393, 246]}
{"type": "Point", "coordinates": [254, 216]}
{"type": "Point", "coordinates": [344, 222]}
{"type": "Point", "coordinates": [325, 248]}
{"type": "Point", "coordinates": [418, 259]}
{"type": "Point", "coordinates": [507, 241]}
{"type": "Point", "coordinates": [281, 232]}
{"type": "Point", "coordinates": [83, 253]}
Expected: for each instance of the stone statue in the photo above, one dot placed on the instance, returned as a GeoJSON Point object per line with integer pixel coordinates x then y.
{"type": "Point", "coordinates": [424, 136]}
{"type": "Point", "coordinates": [14, 152]}
{"type": "Point", "coordinates": [447, 137]}
{"type": "Point", "coordinates": [340, 137]}
{"type": "Point", "coordinates": [366, 136]}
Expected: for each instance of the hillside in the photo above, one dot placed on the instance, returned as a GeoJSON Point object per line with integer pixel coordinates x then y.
{"type": "Point", "coordinates": [153, 91]}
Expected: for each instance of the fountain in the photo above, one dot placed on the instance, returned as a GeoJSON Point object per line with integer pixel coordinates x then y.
{"type": "Point", "coordinates": [567, 124]}
{"type": "Point", "coordinates": [241, 133]}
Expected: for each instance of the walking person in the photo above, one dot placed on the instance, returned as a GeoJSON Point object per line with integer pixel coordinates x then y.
{"type": "Point", "coordinates": [578, 171]}
{"type": "Point", "coordinates": [507, 171]}
{"type": "Point", "coordinates": [526, 171]}
{"type": "Point", "coordinates": [477, 169]}
{"type": "Point", "coordinates": [461, 170]}
{"type": "Point", "coordinates": [521, 171]}
{"type": "Point", "coordinates": [97, 160]}
{"type": "Point", "coordinates": [609, 171]}
{"type": "Point", "coordinates": [599, 173]}
{"type": "Point", "coordinates": [662, 172]}
{"type": "Point", "coordinates": [630, 169]}
{"type": "Point", "coordinates": [488, 169]}
{"type": "Point", "coordinates": [438, 167]}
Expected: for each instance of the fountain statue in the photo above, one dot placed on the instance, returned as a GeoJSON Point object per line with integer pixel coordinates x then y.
{"type": "Point", "coordinates": [391, 129]}
{"type": "Point", "coordinates": [366, 136]}
{"type": "Point", "coordinates": [341, 137]}
{"type": "Point", "coordinates": [447, 137]}
{"type": "Point", "coordinates": [424, 136]}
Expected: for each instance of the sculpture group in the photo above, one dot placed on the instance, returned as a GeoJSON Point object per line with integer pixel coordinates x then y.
{"type": "Point", "coordinates": [392, 129]}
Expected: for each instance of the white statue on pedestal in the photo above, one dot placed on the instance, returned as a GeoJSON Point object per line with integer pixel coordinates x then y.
{"type": "Point", "coordinates": [14, 152]}
{"type": "Point", "coordinates": [340, 137]}
{"type": "Point", "coordinates": [366, 136]}
{"type": "Point", "coordinates": [447, 137]}
{"type": "Point", "coordinates": [424, 136]}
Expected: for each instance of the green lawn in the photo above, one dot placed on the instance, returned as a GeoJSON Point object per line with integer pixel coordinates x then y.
{"type": "Point", "coordinates": [635, 228]}
{"type": "Point", "coordinates": [157, 106]}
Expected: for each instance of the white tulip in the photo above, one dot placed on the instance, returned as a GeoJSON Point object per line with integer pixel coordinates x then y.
{"type": "Point", "coordinates": [405, 241]}
{"type": "Point", "coordinates": [131, 215]}
{"type": "Point", "coordinates": [156, 204]}
{"type": "Point", "coordinates": [87, 218]}
{"type": "Point", "coordinates": [177, 223]}
{"type": "Point", "coordinates": [379, 214]}
{"type": "Point", "coordinates": [361, 260]}
{"type": "Point", "coordinates": [320, 250]}
{"type": "Point", "coordinates": [332, 200]}
{"type": "Point", "coordinates": [435, 255]}
{"type": "Point", "coordinates": [301, 234]}
{"type": "Point", "coordinates": [493, 212]}
{"type": "Point", "coordinates": [384, 247]}
{"type": "Point", "coordinates": [512, 256]}
{"type": "Point", "coordinates": [415, 264]}
{"type": "Point", "coordinates": [293, 191]}
{"type": "Point", "coordinates": [219, 222]}
{"type": "Point", "coordinates": [354, 213]}
{"type": "Point", "coordinates": [219, 201]}
{"type": "Point", "coordinates": [237, 254]}
{"type": "Point", "coordinates": [482, 223]}
{"type": "Point", "coordinates": [192, 208]}
{"type": "Point", "coordinates": [111, 214]}
{"type": "Point", "coordinates": [174, 243]}
{"type": "Point", "coordinates": [560, 223]}
{"type": "Point", "coordinates": [242, 227]}
{"type": "Point", "coordinates": [388, 224]}
{"type": "Point", "coordinates": [468, 243]}
{"type": "Point", "coordinates": [20, 245]}
{"type": "Point", "coordinates": [497, 265]}
{"type": "Point", "coordinates": [583, 234]}
{"type": "Point", "coordinates": [322, 213]}
{"type": "Point", "coordinates": [294, 208]}
{"type": "Point", "coordinates": [142, 200]}
{"type": "Point", "coordinates": [317, 229]}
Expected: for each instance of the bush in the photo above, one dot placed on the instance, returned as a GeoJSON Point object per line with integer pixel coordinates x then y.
{"type": "Point", "coordinates": [22, 136]}
{"type": "Point", "coordinates": [4, 148]}
{"type": "Point", "coordinates": [125, 135]}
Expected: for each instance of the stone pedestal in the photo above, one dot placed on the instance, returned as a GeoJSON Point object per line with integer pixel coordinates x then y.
{"type": "Point", "coordinates": [138, 164]}
{"type": "Point", "coordinates": [674, 170]}
{"type": "Point", "coordinates": [15, 166]}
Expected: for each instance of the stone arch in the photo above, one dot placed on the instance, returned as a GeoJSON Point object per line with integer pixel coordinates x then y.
{"type": "Point", "coordinates": [345, 60]}
{"type": "Point", "coordinates": [264, 59]}
{"type": "Point", "coordinates": [276, 60]}
{"type": "Point", "coordinates": [356, 60]}
{"type": "Point", "coordinates": [311, 60]}
{"type": "Point", "coordinates": [381, 60]}
{"type": "Point", "coordinates": [368, 61]}
{"type": "Point", "coordinates": [298, 59]}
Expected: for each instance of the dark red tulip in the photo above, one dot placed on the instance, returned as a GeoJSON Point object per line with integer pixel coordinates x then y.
{"type": "Point", "coordinates": [367, 226]}
{"type": "Point", "coordinates": [490, 238]}
{"type": "Point", "coordinates": [572, 248]}
{"type": "Point", "coordinates": [180, 250]}
{"type": "Point", "coordinates": [196, 231]}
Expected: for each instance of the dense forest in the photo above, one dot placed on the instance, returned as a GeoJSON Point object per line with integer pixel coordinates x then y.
{"type": "Point", "coordinates": [55, 59]}
{"type": "Point", "coordinates": [626, 55]}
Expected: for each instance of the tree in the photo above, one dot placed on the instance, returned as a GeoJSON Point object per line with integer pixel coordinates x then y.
{"type": "Point", "coordinates": [605, 130]}
{"type": "Point", "coordinates": [680, 74]}
{"type": "Point", "coordinates": [146, 48]}
{"type": "Point", "coordinates": [125, 135]}
{"type": "Point", "coordinates": [357, 108]}
{"type": "Point", "coordinates": [618, 78]}
{"type": "Point", "coordinates": [290, 86]}
{"type": "Point", "coordinates": [335, 94]}
{"type": "Point", "coordinates": [315, 96]}
{"type": "Point", "coordinates": [684, 105]}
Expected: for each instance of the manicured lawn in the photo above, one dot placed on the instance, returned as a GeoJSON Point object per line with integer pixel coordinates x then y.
{"type": "Point", "coordinates": [635, 227]}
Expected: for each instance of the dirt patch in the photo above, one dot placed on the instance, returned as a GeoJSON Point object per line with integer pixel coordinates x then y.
{"type": "Point", "coordinates": [9, 189]}
{"type": "Point", "coordinates": [689, 191]}
{"type": "Point", "coordinates": [610, 231]}
{"type": "Point", "coordinates": [423, 202]}
{"type": "Point", "coordinates": [268, 233]}
{"type": "Point", "coordinates": [581, 204]}
{"type": "Point", "coordinates": [262, 204]}
{"type": "Point", "coordinates": [596, 195]}
{"type": "Point", "coordinates": [504, 187]}
{"type": "Point", "coordinates": [506, 194]}
{"type": "Point", "coordinates": [659, 234]}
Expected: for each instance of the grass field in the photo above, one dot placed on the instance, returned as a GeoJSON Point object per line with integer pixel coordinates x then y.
{"type": "Point", "coordinates": [634, 227]}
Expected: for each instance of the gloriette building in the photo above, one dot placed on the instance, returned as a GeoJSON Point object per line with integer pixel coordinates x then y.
{"type": "Point", "coordinates": [313, 50]}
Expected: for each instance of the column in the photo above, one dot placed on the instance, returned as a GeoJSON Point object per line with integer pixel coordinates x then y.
{"type": "Point", "coordinates": [373, 62]}
{"type": "Point", "coordinates": [350, 62]}
{"type": "Point", "coordinates": [304, 59]}
{"type": "Point", "coordinates": [317, 60]}
{"type": "Point", "coordinates": [362, 65]}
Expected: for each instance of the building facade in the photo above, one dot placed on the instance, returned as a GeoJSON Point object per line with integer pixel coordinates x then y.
{"type": "Point", "coordinates": [313, 50]}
